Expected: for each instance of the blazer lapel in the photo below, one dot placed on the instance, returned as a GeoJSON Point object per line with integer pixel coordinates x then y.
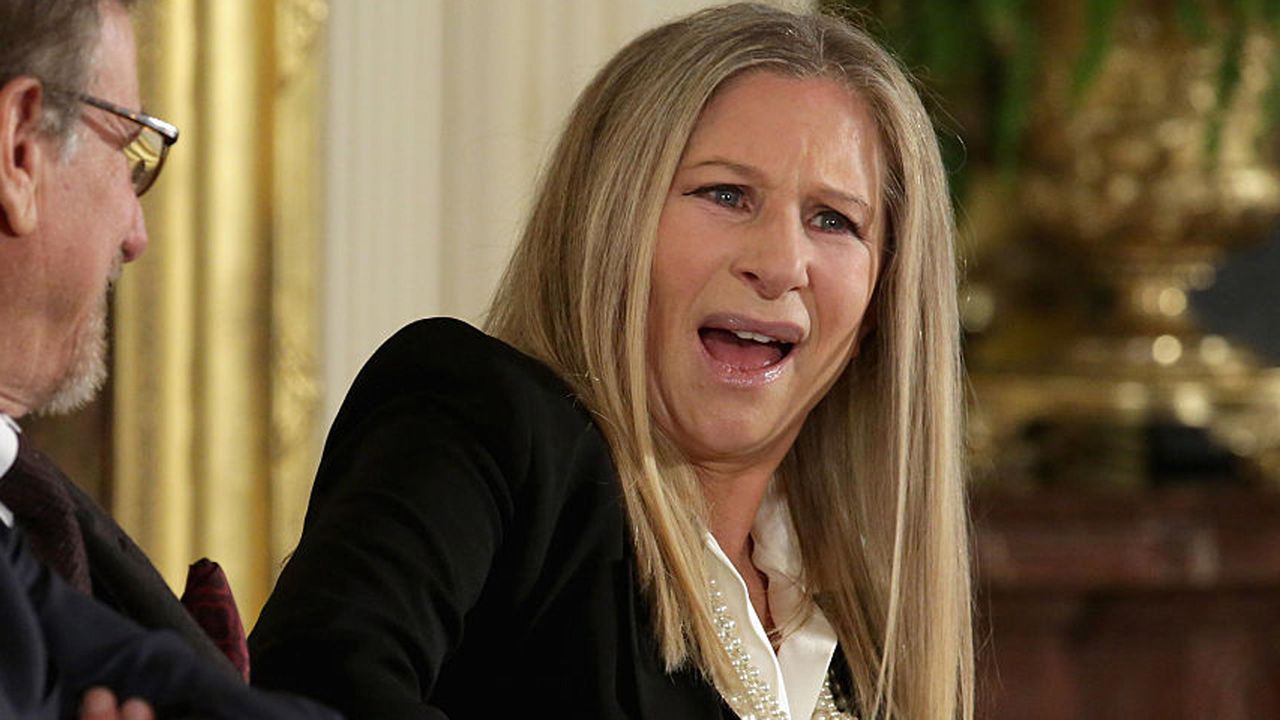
{"type": "Point", "coordinates": [657, 694]}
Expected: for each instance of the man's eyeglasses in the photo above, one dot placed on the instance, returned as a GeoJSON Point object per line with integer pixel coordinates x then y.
{"type": "Point", "coordinates": [148, 149]}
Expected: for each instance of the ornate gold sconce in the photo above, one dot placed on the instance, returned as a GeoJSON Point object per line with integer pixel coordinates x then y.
{"type": "Point", "coordinates": [1127, 180]}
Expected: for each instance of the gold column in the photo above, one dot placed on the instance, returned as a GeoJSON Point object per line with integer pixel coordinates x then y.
{"type": "Point", "coordinates": [297, 242]}
{"type": "Point", "coordinates": [216, 331]}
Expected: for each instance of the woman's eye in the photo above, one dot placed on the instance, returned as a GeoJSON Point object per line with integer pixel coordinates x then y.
{"type": "Point", "coordinates": [833, 222]}
{"type": "Point", "coordinates": [730, 196]}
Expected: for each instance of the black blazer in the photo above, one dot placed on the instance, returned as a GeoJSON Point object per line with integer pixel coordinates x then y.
{"type": "Point", "coordinates": [56, 642]}
{"type": "Point", "coordinates": [465, 553]}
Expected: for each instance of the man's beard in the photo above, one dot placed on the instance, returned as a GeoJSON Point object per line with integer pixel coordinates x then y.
{"type": "Point", "coordinates": [87, 371]}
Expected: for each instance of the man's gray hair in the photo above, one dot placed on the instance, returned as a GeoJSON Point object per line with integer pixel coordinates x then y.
{"type": "Point", "coordinates": [53, 41]}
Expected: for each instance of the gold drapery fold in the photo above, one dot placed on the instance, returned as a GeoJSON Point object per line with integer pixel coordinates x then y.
{"type": "Point", "coordinates": [216, 334]}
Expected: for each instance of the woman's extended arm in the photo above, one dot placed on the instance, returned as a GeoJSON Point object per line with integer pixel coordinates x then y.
{"type": "Point", "coordinates": [413, 500]}
{"type": "Point", "coordinates": [393, 556]}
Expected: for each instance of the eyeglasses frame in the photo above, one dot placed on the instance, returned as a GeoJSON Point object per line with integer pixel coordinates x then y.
{"type": "Point", "coordinates": [168, 131]}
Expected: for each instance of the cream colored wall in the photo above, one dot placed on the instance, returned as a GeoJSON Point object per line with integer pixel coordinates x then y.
{"type": "Point", "coordinates": [439, 114]}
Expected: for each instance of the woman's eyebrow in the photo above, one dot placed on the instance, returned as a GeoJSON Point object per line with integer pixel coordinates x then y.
{"type": "Point", "coordinates": [845, 196]}
{"type": "Point", "coordinates": [756, 177]}
{"type": "Point", "coordinates": [750, 173]}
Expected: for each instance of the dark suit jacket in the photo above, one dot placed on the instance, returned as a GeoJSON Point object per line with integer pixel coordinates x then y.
{"type": "Point", "coordinates": [56, 642]}
{"type": "Point", "coordinates": [465, 552]}
{"type": "Point", "coordinates": [75, 537]}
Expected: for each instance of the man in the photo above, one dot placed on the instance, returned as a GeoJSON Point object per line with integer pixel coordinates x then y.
{"type": "Point", "coordinates": [74, 158]}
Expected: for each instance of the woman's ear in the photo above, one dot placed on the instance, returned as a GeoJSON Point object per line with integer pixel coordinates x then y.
{"type": "Point", "coordinates": [865, 330]}
{"type": "Point", "coordinates": [870, 319]}
{"type": "Point", "coordinates": [22, 153]}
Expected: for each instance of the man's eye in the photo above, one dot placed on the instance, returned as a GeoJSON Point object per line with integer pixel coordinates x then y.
{"type": "Point", "coordinates": [831, 221]}
{"type": "Point", "coordinates": [730, 196]}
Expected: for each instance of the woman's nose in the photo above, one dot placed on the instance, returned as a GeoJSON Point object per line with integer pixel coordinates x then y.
{"type": "Point", "coordinates": [774, 259]}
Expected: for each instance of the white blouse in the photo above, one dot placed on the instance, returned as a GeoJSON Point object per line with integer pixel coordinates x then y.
{"type": "Point", "coordinates": [797, 672]}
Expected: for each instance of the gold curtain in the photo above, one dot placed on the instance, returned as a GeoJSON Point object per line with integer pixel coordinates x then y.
{"type": "Point", "coordinates": [216, 332]}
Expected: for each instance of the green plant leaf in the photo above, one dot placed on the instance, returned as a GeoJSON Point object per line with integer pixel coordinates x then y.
{"type": "Point", "coordinates": [942, 54]}
{"type": "Point", "coordinates": [1014, 112]}
{"type": "Point", "coordinates": [1099, 18]}
{"type": "Point", "coordinates": [1271, 104]}
{"type": "Point", "coordinates": [1227, 81]}
{"type": "Point", "coordinates": [1000, 19]}
{"type": "Point", "coordinates": [1250, 11]}
{"type": "Point", "coordinates": [1192, 20]}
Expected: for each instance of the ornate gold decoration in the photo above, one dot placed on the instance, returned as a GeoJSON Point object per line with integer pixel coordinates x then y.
{"type": "Point", "coordinates": [1127, 177]}
{"type": "Point", "coordinates": [297, 241]}
{"type": "Point", "coordinates": [216, 333]}
{"type": "Point", "coordinates": [300, 23]}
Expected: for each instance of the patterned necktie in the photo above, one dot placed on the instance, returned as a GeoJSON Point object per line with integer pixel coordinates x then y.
{"type": "Point", "coordinates": [35, 490]}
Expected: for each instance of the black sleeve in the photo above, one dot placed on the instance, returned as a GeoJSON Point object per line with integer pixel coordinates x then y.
{"type": "Point", "coordinates": [84, 644]}
{"type": "Point", "coordinates": [414, 496]}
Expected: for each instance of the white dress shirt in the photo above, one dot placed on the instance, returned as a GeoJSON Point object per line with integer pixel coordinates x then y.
{"type": "Point", "coordinates": [797, 672]}
{"type": "Point", "coordinates": [8, 455]}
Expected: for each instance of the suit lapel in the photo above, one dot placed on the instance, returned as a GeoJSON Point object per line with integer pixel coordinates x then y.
{"type": "Point", "coordinates": [77, 539]}
{"type": "Point", "coordinates": [124, 578]}
{"type": "Point", "coordinates": [37, 493]}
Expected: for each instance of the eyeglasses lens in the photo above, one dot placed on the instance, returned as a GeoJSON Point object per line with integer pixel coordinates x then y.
{"type": "Point", "coordinates": [146, 155]}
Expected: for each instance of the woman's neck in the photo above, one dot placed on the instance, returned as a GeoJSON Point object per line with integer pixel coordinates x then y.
{"type": "Point", "coordinates": [732, 503]}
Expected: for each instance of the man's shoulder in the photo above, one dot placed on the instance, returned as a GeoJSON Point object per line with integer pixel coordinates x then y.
{"type": "Point", "coordinates": [115, 560]}
{"type": "Point", "coordinates": [93, 527]}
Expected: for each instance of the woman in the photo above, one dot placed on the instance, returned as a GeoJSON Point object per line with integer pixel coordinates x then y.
{"type": "Point", "coordinates": [714, 449]}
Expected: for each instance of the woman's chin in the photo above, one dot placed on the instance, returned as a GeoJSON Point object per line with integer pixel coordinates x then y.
{"type": "Point", "coordinates": [741, 440]}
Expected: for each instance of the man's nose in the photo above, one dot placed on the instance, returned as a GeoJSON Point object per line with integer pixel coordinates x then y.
{"type": "Point", "coordinates": [775, 259]}
{"type": "Point", "coordinates": [135, 243]}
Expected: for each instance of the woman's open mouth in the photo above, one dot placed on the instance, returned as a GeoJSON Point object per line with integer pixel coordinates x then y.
{"type": "Point", "coordinates": [743, 350]}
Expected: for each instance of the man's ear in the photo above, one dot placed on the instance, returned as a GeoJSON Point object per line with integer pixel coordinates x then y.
{"type": "Point", "coordinates": [22, 153]}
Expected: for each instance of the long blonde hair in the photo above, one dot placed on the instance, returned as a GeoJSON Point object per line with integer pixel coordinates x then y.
{"type": "Point", "coordinates": [875, 479]}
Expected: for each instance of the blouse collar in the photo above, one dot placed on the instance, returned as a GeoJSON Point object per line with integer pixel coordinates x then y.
{"type": "Point", "coordinates": [798, 670]}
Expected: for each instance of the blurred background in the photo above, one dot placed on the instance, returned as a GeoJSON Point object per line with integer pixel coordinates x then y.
{"type": "Point", "coordinates": [347, 166]}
